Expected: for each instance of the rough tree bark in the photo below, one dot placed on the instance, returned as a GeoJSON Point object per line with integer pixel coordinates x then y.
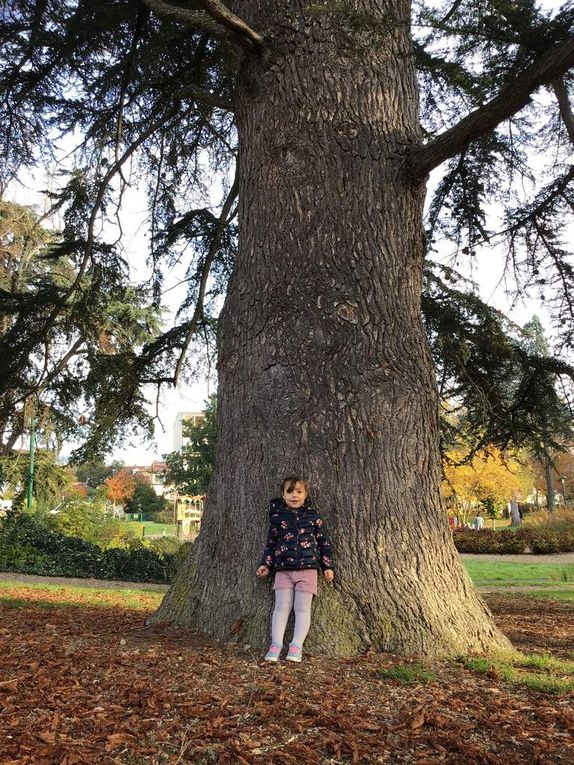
{"type": "Point", "coordinates": [324, 367]}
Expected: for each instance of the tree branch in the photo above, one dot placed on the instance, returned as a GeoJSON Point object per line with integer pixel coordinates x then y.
{"type": "Point", "coordinates": [198, 313]}
{"type": "Point", "coordinates": [513, 97]}
{"type": "Point", "coordinates": [452, 11]}
{"type": "Point", "coordinates": [190, 18]}
{"type": "Point", "coordinates": [216, 21]}
{"type": "Point", "coordinates": [246, 36]}
{"type": "Point", "coordinates": [87, 256]}
{"type": "Point", "coordinates": [203, 96]}
{"type": "Point", "coordinates": [561, 93]}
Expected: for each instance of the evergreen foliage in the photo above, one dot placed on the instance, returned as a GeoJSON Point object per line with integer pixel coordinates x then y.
{"type": "Point", "coordinates": [52, 482]}
{"type": "Point", "coordinates": [94, 472]}
{"type": "Point", "coordinates": [144, 502]}
{"type": "Point", "coordinates": [29, 545]}
{"type": "Point", "coordinates": [143, 92]}
{"type": "Point", "coordinates": [190, 469]}
{"type": "Point", "coordinates": [69, 339]}
{"type": "Point", "coordinates": [504, 392]}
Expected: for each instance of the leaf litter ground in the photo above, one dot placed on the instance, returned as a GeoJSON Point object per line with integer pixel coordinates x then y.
{"type": "Point", "coordinates": [91, 684]}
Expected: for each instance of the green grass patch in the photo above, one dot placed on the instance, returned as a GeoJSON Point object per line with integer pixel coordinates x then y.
{"type": "Point", "coordinates": [545, 594]}
{"type": "Point", "coordinates": [20, 595]}
{"type": "Point", "coordinates": [554, 675]}
{"type": "Point", "coordinates": [495, 573]}
{"type": "Point", "coordinates": [152, 528]}
{"type": "Point", "coordinates": [408, 674]}
{"type": "Point", "coordinates": [476, 664]}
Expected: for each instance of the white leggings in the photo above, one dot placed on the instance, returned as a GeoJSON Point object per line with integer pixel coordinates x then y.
{"type": "Point", "coordinates": [283, 605]}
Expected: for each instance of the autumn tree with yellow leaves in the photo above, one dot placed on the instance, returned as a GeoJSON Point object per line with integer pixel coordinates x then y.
{"type": "Point", "coordinates": [486, 482]}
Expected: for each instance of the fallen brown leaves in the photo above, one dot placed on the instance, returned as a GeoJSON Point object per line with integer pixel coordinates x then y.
{"type": "Point", "coordinates": [93, 685]}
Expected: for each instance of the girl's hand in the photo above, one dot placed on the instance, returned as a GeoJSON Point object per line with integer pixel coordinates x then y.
{"type": "Point", "coordinates": [262, 571]}
{"type": "Point", "coordinates": [329, 574]}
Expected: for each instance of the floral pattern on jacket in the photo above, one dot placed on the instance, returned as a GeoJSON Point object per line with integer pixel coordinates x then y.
{"type": "Point", "coordinates": [296, 539]}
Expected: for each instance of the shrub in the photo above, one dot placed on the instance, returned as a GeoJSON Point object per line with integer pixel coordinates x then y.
{"type": "Point", "coordinates": [165, 516]}
{"type": "Point", "coordinates": [29, 544]}
{"type": "Point", "coordinates": [545, 541]}
{"type": "Point", "coordinates": [163, 545]}
{"type": "Point", "coordinates": [538, 540]}
{"type": "Point", "coordinates": [488, 541]}
{"type": "Point", "coordinates": [559, 520]}
{"type": "Point", "coordinates": [177, 559]}
{"type": "Point", "coordinates": [93, 523]}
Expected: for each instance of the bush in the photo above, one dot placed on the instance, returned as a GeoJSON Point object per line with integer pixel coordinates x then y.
{"type": "Point", "coordinates": [92, 523]}
{"type": "Point", "coordinates": [538, 540]}
{"type": "Point", "coordinates": [166, 516]}
{"type": "Point", "coordinates": [544, 542]}
{"type": "Point", "coordinates": [560, 520]}
{"type": "Point", "coordinates": [163, 545]}
{"type": "Point", "coordinates": [488, 541]}
{"type": "Point", "coordinates": [29, 545]}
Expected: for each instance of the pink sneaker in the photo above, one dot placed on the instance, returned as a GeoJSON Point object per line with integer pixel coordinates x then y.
{"type": "Point", "coordinates": [273, 653]}
{"type": "Point", "coordinates": [294, 653]}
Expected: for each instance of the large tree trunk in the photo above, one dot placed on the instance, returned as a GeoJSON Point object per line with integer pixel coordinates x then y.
{"type": "Point", "coordinates": [324, 367]}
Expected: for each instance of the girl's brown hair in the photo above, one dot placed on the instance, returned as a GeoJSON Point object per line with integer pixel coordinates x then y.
{"type": "Point", "coordinates": [289, 482]}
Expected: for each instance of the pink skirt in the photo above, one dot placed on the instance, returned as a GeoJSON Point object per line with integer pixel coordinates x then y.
{"type": "Point", "coordinates": [304, 580]}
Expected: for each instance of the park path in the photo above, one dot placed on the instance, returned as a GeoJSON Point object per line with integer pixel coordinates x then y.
{"type": "Point", "coordinates": [560, 558]}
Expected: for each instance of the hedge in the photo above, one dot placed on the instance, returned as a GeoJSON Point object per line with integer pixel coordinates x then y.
{"type": "Point", "coordinates": [524, 540]}
{"type": "Point", "coordinates": [28, 545]}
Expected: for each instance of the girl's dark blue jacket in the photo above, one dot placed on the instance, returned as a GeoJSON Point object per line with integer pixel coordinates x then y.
{"type": "Point", "coordinates": [296, 540]}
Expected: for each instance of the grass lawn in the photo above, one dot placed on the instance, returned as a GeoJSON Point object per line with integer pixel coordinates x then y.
{"type": "Point", "coordinates": [155, 529]}
{"type": "Point", "coordinates": [22, 595]}
{"type": "Point", "coordinates": [494, 573]}
{"type": "Point", "coordinates": [562, 594]}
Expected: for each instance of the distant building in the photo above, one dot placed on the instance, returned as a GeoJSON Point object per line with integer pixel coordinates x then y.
{"type": "Point", "coordinates": [178, 438]}
{"type": "Point", "coordinates": [189, 511]}
{"type": "Point", "coordinates": [154, 474]}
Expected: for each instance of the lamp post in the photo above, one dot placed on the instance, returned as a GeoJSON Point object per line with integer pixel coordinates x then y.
{"type": "Point", "coordinates": [30, 498]}
{"type": "Point", "coordinates": [175, 513]}
{"type": "Point", "coordinates": [563, 490]}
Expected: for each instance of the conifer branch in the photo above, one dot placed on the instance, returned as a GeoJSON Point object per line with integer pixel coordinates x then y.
{"type": "Point", "coordinates": [194, 19]}
{"type": "Point", "coordinates": [561, 93]}
{"type": "Point", "coordinates": [198, 312]}
{"type": "Point", "coordinates": [453, 9]}
{"type": "Point", "coordinates": [511, 99]}
{"type": "Point", "coordinates": [103, 187]}
{"type": "Point", "coordinates": [236, 26]}
{"type": "Point", "coordinates": [194, 93]}
{"type": "Point", "coordinates": [216, 20]}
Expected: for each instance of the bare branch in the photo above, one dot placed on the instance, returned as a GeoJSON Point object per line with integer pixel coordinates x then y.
{"type": "Point", "coordinates": [217, 20]}
{"type": "Point", "coordinates": [561, 93]}
{"type": "Point", "coordinates": [513, 97]}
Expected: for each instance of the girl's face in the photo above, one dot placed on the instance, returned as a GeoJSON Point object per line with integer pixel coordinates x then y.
{"type": "Point", "coordinates": [296, 496]}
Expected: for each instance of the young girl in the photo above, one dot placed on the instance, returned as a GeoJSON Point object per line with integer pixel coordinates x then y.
{"type": "Point", "coordinates": [297, 546]}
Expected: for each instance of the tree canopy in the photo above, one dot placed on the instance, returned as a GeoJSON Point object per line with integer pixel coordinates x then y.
{"type": "Point", "coordinates": [144, 501]}
{"type": "Point", "coordinates": [114, 94]}
{"type": "Point", "coordinates": [69, 338]}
